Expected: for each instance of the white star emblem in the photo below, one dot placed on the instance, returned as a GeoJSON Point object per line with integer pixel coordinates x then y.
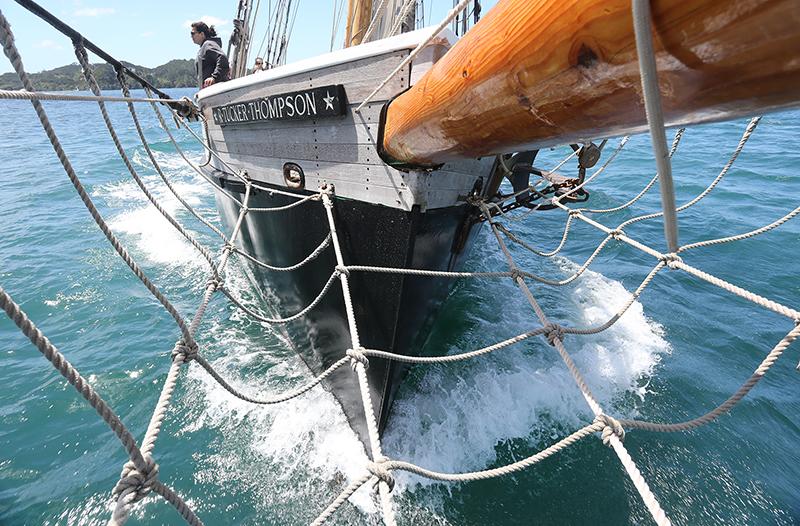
{"type": "Point", "coordinates": [329, 101]}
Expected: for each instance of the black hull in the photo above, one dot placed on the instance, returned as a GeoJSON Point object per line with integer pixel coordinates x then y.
{"type": "Point", "coordinates": [393, 312]}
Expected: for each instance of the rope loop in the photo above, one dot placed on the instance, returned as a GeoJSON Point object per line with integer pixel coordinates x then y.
{"type": "Point", "coordinates": [670, 259]}
{"type": "Point", "coordinates": [516, 273]}
{"type": "Point", "coordinates": [189, 352]}
{"type": "Point", "coordinates": [133, 481]}
{"type": "Point", "coordinates": [357, 356]}
{"type": "Point", "coordinates": [553, 331]}
{"type": "Point", "coordinates": [612, 426]}
{"type": "Point", "coordinates": [383, 475]}
{"type": "Point", "coordinates": [616, 234]}
{"type": "Point", "coordinates": [341, 270]}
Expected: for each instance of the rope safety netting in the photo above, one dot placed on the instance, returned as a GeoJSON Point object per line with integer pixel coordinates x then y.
{"type": "Point", "coordinates": [139, 476]}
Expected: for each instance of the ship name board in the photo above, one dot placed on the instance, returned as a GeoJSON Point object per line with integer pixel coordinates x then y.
{"type": "Point", "coordinates": [315, 103]}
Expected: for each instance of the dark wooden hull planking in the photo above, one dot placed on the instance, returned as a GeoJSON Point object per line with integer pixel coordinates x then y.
{"type": "Point", "coordinates": [393, 312]}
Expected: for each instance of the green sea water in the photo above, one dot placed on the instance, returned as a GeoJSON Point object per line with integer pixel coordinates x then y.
{"type": "Point", "coordinates": [682, 350]}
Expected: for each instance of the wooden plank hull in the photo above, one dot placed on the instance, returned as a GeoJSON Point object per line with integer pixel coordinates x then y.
{"type": "Point", "coordinates": [393, 312]}
{"type": "Point", "coordinates": [535, 74]}
{"type": "Point", "coordinates": [343, 150]}
{"type": "Point", "coordinates": [384, 217]}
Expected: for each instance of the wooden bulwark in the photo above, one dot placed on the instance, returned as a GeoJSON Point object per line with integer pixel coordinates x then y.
{"type": "Point", "coordinates": [341, 151]}
{"type": "Point", "coordinates": [538, 73]}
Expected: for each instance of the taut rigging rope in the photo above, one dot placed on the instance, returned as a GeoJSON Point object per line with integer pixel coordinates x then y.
{"type": "Point", "coordinates": [140, 475]}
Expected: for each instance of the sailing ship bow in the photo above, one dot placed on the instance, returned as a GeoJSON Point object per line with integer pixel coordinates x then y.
{"type": "Point", "coordinates": [540, 73]}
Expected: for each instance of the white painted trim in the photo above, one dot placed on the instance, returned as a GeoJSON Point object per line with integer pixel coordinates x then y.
{"type": "Point", "coordinates": [403, 41]}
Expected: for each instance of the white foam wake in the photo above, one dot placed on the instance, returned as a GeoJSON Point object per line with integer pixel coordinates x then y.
{"type": "Point", "coordinates": [459, 415]}
{"type": "Point", "coordinates": [303, 442]}
{"type": "Point", "coordinates": [153, 237]}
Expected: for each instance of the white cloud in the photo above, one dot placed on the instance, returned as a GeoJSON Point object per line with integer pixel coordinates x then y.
{"type": "Point", "coordinates": [95, 11]}
{"type": "Point", "coordinates": [147, 34]}
{"type": "Point", "coordinates": [47, 44]}
{"type": "Point", "coordinates": [209, 20]}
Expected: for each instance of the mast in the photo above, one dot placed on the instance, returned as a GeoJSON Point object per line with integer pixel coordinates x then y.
{"type": "Point", "coordinates": [359, 14]}
{"type": "Point", "coordinates": [240, 39]}
{"type": "Point", "coordinates": [538, 73]}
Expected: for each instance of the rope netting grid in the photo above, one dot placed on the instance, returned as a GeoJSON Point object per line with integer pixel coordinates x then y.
{"type": "Point", "coordinates": [139, 477]}
{"type": "Point", "coordinates": [142, 464]}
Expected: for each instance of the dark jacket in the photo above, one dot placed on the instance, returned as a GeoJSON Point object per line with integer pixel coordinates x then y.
{"type": "Point", "coordinates": [211, 62]}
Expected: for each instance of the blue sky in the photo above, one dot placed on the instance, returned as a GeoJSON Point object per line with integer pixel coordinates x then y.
{"type": "Point", "coordinates": [150, 33]}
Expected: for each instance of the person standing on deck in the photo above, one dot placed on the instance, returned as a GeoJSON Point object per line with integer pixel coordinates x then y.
{"type": "Point", "coordinates": [258, 67]}
{"type": "Point", "coordinates": [211, 63]}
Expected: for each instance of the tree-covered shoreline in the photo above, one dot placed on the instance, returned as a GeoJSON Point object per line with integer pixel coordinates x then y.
{"type": "Point", "coordinates": [174, 74]}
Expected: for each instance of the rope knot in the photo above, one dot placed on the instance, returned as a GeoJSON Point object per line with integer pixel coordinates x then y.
{"type": "Point", "coordinates": [229, 249]}
{"type": "Point", "coordinates": [189, 352]}
{"type": "Point", "coordinates": [516, 273]}
{"type": "Point", "coordinates": [133, 481]}
{"type": "Point", "coordinates": [186, 109]}
{"type": "Point", "coordinates": [357, 356]}
{"type": "Point", "coordinates": [383, 475]}
{"type": "Point", "coordinates": [670, 259]}
{"type": "Point", "coordinates": [214, 283]}
{"type": "Point", "coordinates": [342, 270]}
{"type": "Point", "coordinates": [612, 426]}
{"type": "Point", "coordinates": [616, 234]}
{"type": "Point", "coordinates": [553, 331]}
{"type": "Point", "coordinates": [475, 200]}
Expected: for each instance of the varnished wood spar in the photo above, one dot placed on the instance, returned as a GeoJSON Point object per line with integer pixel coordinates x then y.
{"type": "Point", "coordinates": [537, 73]}
{"type": "Point", "coordinates": [359, 14]}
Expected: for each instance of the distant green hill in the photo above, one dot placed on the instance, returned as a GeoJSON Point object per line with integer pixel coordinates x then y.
{"type": "Point", "coordinates": [173, 74]}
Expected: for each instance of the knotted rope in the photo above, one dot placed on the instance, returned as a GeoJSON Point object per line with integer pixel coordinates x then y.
{"type": "Point", "coordinates": [135, 485]}
{"type": "Point", "coordinates": [139, 476]}
{"type": "Point", "coordinates": [611, 427]}
{"type": "Point", "coordinates": [357, 356]}
{"type": "Point", "coordinates": [380, 472]}
{"type": "Point", "coordinates": [616, 234]}
{"type": "Point", "coordinates": [186, 352]}
{"type": "Point", "coordinates": [516, 275]}
{"type": "Point", "coordinates": [215, 283]}
{"type": "Point", "coordinates": [671, 260]}
{"type": "Point", "coordinates": [553, 331]}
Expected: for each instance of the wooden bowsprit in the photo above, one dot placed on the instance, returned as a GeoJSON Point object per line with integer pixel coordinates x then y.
{"type": "Point", "coordinates": [534, 74]}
